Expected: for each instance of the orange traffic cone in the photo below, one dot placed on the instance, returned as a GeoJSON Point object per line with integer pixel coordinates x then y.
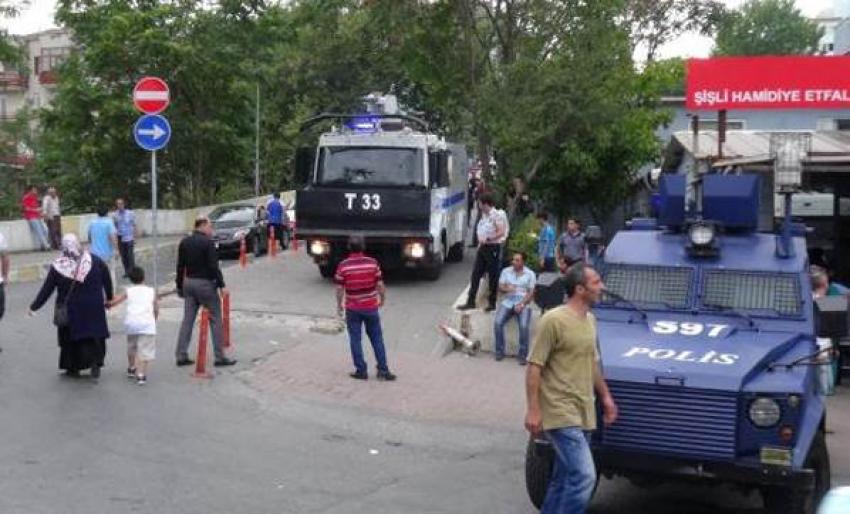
{"type": "Point", "coordinates": [243, 253]}
{"type": "Point", "coordinates": [272, 243]}
{"type": "Point", "coordinates": [294, 238]}
{"type": "Point", "coordinates": [203, 337]}
{"type": "Point", "coordinates": [225, 319]}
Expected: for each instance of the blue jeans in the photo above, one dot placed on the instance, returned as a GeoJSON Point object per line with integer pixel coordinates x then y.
{"type": "Point", "coordinates": [503, 315]}
{"type": "Point", "coordinates": [39, 232]}
{"type": "Point", "coordinates": [574, 476]}
{"type": "Point", "coordinates": [355, 320]}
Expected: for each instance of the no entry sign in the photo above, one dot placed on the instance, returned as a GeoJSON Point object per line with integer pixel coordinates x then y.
{"type": "Point", "coordinates": [151, 95]}
{"type": "Point", "coordinates": [789, 82]}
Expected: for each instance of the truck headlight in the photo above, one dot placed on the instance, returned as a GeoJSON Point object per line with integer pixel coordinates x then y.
{"type": "Point", "coordinates": [765, 412]}
{"type": "Point", "coordinates": [319, 247]}
{"type": "Point", "coordinates": [701, 234]}
{"type": "Point", "coordinates": [414, 250]}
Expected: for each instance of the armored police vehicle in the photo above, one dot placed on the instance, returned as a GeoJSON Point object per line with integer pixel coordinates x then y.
{"type": "Point", "coordinates": [708, 344]}
{"type": "Point", "coordinates": [385, 176]}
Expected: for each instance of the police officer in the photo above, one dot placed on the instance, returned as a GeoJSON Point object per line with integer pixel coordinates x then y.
{"type": "Point", "coordinates": [492, 231]}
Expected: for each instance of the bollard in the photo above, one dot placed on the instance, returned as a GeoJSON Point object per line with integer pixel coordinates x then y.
{"type": "Point", "coordinates": [225, 319]}
{"type": "Point", "coordinates": [243, 254]}
{"type": "Point", "coordinates": [203, 337]}
{"type": "Point", "coordinates": [467, 345]}
{"type": "Point", "coordinates": [272, 244]}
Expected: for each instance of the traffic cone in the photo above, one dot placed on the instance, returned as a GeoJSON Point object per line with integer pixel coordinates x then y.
{"type": "Point", "coordinates": [203, 338]}
{"type": "Point", "coordinates": [243, 253]}
{"type": "Point", "coordinates": [294, 238]}
{"type": "Point", "coordinates": [225, 319]}
{"type": "Point", "coordinates": [272, 243]}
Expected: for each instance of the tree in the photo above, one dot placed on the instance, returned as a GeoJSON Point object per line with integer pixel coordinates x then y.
{"type": "Point", "coordinates": [9, 52]}
{"type": "Point", "coordinates": [652, 23]}
{"type": "Point", "coordinates": [767, 27]}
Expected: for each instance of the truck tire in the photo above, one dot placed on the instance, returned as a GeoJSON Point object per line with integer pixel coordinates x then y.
{"type": "Point", "coordinates": [455, 253]}
{"type": "Point", "coordinates": [326, 270]}
{"type": "Point", "coordinates": [433, 271]}
{"type": "Point", "coordinates": [539, 460]}
{"type": "Point", "coordinates": [789, 501]}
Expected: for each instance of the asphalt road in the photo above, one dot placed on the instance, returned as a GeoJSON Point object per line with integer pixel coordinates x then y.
{"type": "Point", "coordinates": [285, 430]}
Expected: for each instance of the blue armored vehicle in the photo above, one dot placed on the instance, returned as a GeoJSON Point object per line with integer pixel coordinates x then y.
{"type": "Point", "coordinates": [708, 343]}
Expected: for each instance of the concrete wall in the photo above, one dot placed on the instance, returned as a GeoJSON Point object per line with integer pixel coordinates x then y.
{"type": "Point", "coordinates": [169, 222]}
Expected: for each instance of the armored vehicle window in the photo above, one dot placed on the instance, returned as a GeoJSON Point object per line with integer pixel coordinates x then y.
{"type": "Point", "coordinates": [370, 166]}
{"type": "Point", "coordinates": [776, 293]}
{"type": "Point", "coordinates": [662, 285]}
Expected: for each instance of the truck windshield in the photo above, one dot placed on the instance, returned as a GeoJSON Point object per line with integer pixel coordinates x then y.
{"type": "Point", "coordinates": [752, 291]}
{"type": "Point", "coordinates": [663, 286]}
{"type": "Point", "coordinates": [370, 166]}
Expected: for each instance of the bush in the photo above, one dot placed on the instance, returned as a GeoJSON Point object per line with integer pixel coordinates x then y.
{"type": "Point", "coordinates": [523, 238]}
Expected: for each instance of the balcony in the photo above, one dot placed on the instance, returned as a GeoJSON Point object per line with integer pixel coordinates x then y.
{"type": "Point", "coordinates": [12, 81]}
{"type": "Point", "coordinates": [47, 78]}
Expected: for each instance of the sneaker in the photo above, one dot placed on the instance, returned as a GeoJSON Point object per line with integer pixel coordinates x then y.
{"type": "Point", "coordinates": [141, 380]}
{"type": "Point", "coordinates": [489, 308]}
{"type": "Point", "coordinates": [224, 362]}
{"type": "Point", "coordinates": [499, 356]}
{"type": "Point", "coordinates": [467, 306]}
{"type": "Point", "coordinates": [185, 361]}
{"type": "Point", "coordinates": [386, 376]}
{"type": "Point", "coordinates": [359, 375]}
{"type": "Point", "coordinates": [95, 371]}
{"type": "Point", "coordinates": [522, 362]}
{"type": "Point", "coordinates": [131, 372]}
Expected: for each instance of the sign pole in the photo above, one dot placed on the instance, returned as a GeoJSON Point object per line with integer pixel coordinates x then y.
{"type": "Point", "coordinates": [154, 219]}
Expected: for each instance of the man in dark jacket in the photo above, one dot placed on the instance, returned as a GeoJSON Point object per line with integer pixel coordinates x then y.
{"type": "Point", "coordinates": [199, 280]}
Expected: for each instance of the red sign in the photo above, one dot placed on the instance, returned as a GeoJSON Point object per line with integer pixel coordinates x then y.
{"type": "Point", "coordinates": [151, 95]}
{"type": "Point", "coordinates": [790, 82]}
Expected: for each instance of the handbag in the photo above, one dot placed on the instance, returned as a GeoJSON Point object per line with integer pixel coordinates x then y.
{"type": "Point", "coordinates": [60, 310]}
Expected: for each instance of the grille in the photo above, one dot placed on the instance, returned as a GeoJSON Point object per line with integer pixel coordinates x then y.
{"type": "Point", "coordinates": [675, 421]}
{"type": "Point", "coordinates": [654, 284]}
{"type": "Point", "coordinates": [753, 291]}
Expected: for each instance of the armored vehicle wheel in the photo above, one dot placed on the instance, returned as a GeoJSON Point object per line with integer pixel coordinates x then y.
{"type": "Point", "coordinates": [326, 270]}
{"type": "Point", "coordinates": [539, 460]}
{"type": "Point", "coordinates": [787, 501]}
{"type": "Point", "coordinates": [455, 253]}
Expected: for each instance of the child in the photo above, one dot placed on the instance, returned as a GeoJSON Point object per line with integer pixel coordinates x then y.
{"type": "Point", "coordinates": [139, 324]}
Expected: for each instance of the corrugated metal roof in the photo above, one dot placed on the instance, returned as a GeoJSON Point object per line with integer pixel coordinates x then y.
{"type": "Point", "coordinates": [755, 144]}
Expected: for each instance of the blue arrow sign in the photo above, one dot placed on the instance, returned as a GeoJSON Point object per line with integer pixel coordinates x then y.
{"type": "Point", "coordinates": [152, 132]}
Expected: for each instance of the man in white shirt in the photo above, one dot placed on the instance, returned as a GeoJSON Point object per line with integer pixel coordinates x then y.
{"type": "Point", "coordinates": [492, 233]}
{"type": "Point", "coordinates": [53, 217]}
{"type": "Point", "coordinates": [4, 274]}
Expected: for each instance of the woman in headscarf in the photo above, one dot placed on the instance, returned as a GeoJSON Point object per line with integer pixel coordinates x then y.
{"type": "Point", "coordinates": [82, 282]}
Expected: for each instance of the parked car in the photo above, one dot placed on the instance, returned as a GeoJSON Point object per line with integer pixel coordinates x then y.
{"type": "Point", "coordinates": [234, 223]}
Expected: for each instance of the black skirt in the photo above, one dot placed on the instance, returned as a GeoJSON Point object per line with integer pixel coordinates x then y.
{"type": "Point", "coordinates": [80, 354]}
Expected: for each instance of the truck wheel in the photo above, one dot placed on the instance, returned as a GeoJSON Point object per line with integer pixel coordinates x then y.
{"type": "Point", "coordinates": [433, 271]}
{"type": "Point", "coordinates": [539, 460]}
{"type": "Point", "coordinates": [326, 270]}
{"type": "Point", "coordinates": [455, 253]}
{"type": "Point", "coordinates": [789, 501]}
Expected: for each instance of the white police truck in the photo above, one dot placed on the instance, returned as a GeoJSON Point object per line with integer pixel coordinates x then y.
{"type": "Point", "coordinates": [382, 174]}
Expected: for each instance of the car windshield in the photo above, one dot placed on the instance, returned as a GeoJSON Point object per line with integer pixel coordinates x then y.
{"type": "Point", "coordinates": [768, 293]}
{"type": "Point", "coordinates": [232, 216]}
{"type": "Point", "coordinates": [663, 286]}
{"type": "Point", "coordinates": [370, 166]}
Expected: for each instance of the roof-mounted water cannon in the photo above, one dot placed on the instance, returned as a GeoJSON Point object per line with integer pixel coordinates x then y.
{"type": "Point", "coordinates": [377, 103]}
{"type": "Point", "coordinates": [788, 151]}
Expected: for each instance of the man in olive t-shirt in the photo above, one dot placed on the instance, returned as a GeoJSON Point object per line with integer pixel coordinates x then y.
{"type": "Point", "coordinates": [564, 371]}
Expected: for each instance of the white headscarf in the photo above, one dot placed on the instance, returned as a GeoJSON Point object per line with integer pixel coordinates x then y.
{"type": "Point", "coordinates": [74, 263]}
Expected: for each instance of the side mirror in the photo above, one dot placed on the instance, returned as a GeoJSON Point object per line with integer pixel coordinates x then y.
{"type": "Point", "coordinates": [305, 158]}
{"type": "Point", "coordinates": [831, 316]}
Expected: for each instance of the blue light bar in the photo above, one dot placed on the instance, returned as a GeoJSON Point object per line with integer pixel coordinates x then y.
{"type": "Point", "coordinates": [365, 124]}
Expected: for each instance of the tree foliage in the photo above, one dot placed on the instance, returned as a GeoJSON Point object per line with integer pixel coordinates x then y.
{"type": "Point", "coordinates": [548, 87]}
{"type": "Point", "coordinates": [767, 27]}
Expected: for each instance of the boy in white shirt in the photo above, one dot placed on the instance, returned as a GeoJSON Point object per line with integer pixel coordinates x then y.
{"type": "Point", "coordinates": [139, 324]}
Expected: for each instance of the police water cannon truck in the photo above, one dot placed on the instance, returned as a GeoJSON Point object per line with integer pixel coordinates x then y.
{"type": "Point", "coordinates": [709, 345]}
{"type": "Point", "coordinates": [382, 174]}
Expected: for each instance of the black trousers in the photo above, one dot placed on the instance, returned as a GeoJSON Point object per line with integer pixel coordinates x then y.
{"type": "Point", "coordinates": [279, 231]}
{"type": "Point", "coordinates": [487, 261]}
{"type": "Point", "coordinates": [2, 300]}
{"type": "Point", "coordinates": [128, 257]}
{"type": "Point", "coordinates": [54, 232]}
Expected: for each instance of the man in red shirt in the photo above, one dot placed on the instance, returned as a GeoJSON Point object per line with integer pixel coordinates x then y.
{"type": "Point", "coordinates": [31, 206]}
{"type": "Point", "coordinates": [359, 294]}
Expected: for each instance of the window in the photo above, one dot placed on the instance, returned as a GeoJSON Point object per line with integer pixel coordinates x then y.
{"type": "Point", "coordinates": [730, 124]}
{"type": "Point", "coordinates": [752, 291]}
{"type": "Point", "coordinates": [50, 58]}
{"type": "Point", "coordinates": [842, 124]}
{"type": "Point", "coordinates": [662, 285]}
{"type": "Point", "coordinates": [370, 166]}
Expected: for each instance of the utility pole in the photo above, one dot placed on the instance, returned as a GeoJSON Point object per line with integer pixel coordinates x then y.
{"type": "Point", "coordinates": [257, 145]}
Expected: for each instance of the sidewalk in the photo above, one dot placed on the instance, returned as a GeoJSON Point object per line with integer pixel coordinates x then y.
{"type": "Point", "coordinates": [33, 266]}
